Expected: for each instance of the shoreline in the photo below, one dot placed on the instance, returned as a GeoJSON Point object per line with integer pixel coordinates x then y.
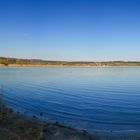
{"type": "Point", "coordinates": [19, 126]}
{"type": "Point", "coordinates": [6, 61]}
{"type": "Point", "coordinates": [13, 65]}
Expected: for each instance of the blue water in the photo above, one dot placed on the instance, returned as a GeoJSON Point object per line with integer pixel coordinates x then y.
{"type": "Point", "coordinates": [92, 98]}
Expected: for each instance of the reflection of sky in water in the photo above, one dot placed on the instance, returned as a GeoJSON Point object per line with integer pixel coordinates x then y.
{"type": "Point", "coordinates": [88, 97]}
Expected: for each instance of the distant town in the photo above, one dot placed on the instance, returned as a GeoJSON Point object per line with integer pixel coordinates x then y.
{"type": "Point", "coordinates": [4, 61]}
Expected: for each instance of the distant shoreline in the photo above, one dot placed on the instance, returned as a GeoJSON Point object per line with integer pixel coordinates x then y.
{"type": "Point", "coordinates": [16, 62]}
{"type": "Point", "coordinates": [77, 65]}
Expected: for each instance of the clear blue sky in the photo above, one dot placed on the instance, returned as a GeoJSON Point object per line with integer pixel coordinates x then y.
{"type": "Point", "coordinates": [92, 30]}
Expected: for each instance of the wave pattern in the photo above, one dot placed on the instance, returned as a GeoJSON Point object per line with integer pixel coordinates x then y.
{"type": "Point", "coordinates": [92, 98]}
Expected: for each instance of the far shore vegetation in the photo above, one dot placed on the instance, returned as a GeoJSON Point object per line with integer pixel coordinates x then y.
{"type": "Point", "coordinates": [4, 61]}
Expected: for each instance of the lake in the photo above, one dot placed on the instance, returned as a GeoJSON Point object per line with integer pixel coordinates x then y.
{"type": "Point", "coordinates": [92, 98]}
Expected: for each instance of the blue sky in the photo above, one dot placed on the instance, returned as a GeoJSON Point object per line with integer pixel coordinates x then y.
{"type": "Point", "coordinates": [90, 30]}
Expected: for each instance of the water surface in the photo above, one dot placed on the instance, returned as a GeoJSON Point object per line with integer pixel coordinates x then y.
{"type": "Point", "coordinates": [92, 98]}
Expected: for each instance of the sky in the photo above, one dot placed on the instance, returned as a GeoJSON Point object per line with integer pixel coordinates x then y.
{"type": "Point", "coordinates": [71, 30]}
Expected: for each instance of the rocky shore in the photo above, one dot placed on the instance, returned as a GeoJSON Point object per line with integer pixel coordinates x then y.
{"type": "Point", "coordinates": [16, 126]}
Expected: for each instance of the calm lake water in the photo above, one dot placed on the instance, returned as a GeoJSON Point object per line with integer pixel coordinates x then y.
{"type": "Point", "coordinates": [92, 98]}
